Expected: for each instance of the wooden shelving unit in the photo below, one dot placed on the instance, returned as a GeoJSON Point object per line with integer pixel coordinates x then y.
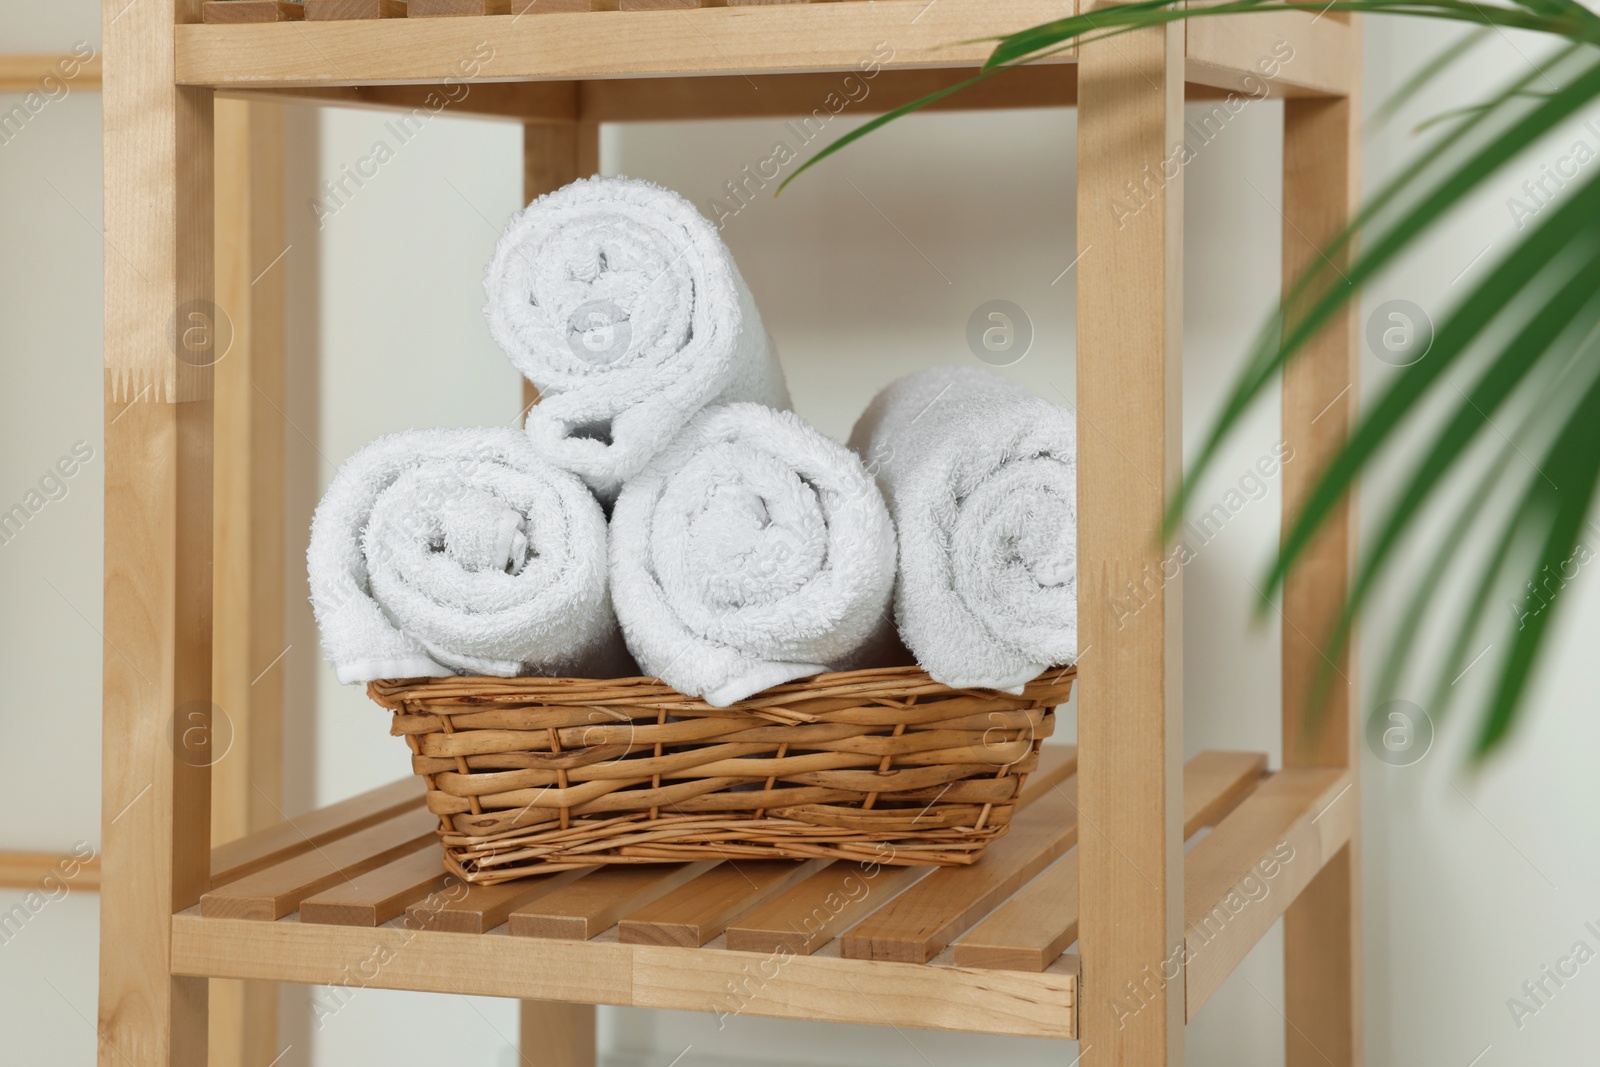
{"type": "Point", "coordinates": [349, 890]}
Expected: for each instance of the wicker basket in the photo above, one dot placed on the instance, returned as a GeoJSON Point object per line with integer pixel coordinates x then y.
{"type": "Point", "coordinates": [532, 775]}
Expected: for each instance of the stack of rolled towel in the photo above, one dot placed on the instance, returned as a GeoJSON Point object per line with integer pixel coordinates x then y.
{"type": "Point", "coordinates": [744, 548]}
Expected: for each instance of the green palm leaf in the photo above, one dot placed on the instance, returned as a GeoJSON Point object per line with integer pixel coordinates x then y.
{"type": "Point", "coordinates": [1524, 334]}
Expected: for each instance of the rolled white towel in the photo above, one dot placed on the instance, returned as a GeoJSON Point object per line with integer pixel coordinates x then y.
{"type": "Point", "coordinates": [981, 478]}
{"type": "Point", "coordinates": [621, 303]}
{"type": "Point", "coordinates": [751, 551]}
{"type": "Point", "coordinates": [438, 552]}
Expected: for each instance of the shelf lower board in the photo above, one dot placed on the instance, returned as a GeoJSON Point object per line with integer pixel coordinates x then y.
{"type": "Point", "coordinates": [711, 979]}
{"type": "Point", "coordinates": [1304, 55]}
{"type": "Point", "coordinates": [980, 948]}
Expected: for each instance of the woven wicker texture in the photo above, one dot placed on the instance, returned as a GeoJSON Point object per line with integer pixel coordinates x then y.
{"type": "Point", "coordinates": [533, 775]}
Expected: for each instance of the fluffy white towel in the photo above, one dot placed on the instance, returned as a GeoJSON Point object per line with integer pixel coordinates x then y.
{"type": "Point", "coordinates": [981, 478]}
{"type": "Point", "coordinates": [750, 552]}
{"type": "Point", "coordinates": [621, 303]}
{"type": "Point", "coordinates": [438, 552]}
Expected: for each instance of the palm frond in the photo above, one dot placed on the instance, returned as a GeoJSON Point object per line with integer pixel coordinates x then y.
{"type": "Point", "coordinates": [1524, 332]}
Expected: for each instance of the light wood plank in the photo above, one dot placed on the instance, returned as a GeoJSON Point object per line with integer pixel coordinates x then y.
{"type": "Point", "coordinates": [432, 9]}
{"type": "Point", "coordinates": [1322, 930]}
{"type": "Point", "coordinates": [1295, 52]}
{"type": "Point", "coordinates": [557, 7]}
{"type": "Point", "coordinates": [815, 95]}
{"type": "Point", "coordinates": [701, 908]}
{"type": "Point", "coordinates": [819, 988]}
{"type": "Point", "coordinates": [276, 891]}
{"type": "Point", "coordinates": [811, 914]}
{"type": "Point", "coordinates": [156, 657]}
{"type": "Point", "coordinates": [1255, 863]}
{"type": "Point", "coordinates": [1214, 783]}
{"type": "Point", "coordinates": [484, 907]}
{"type": "Point", "coordinates": [373, 898]}
{"type": "Point", "coordinates": [21, 73]}
{"type": "Point", "coordinates": [579, 912]}
{"type": "Point", "coordinates": [666, 5]}
{"type": "Point", "coordinates": [29, 870]}
{"type": "Point", "coordinates": [1057, 763]}
{"type": "Point", "coordinates": [838, 897]}
{"type": "Point", "coordinates": [517, 101]}
{"type": "Point", "coordinates": [1130, 400]}
{"type": "Point", "coordinates": [246, 856]}
{"type": "Point", "coordinates": [815, 37]}
{"type": "Point", "coordinates": [339, 10]}
{"type": "Point", "coordinates": [557, 1035]}
{"type": "Point", "coordinates": [237, 12]}
{"type": "Point", "coordinates": [248, 551]}
{"type": "Point", "coordinates": [1033, 928]}
{"type": "Point", "coordinates": [916, 925]}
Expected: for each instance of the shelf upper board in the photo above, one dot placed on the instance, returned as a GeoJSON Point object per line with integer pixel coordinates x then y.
{"type": "Point", "coordinates": [735, 41]}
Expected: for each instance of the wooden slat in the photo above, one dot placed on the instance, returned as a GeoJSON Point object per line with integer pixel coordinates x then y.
{"type": "Point", "coordinates": [811, 914]}
{"type": "Point", "coordinates": [666, 5]}
{"type": "Point", "coordinates": [701, 909]}
{"type": "Point", "coordinates": [431, 9]}
{"type": "Point", "coordinates": [916, 925]}
{"type": "Point", "coordinates": [276, 891]}
{"type": "Point", "coordinates": [230, 12]}
{"type": "Point", "coordinates": [1250, 868]}
{"type": "Point", "coordinates": [818, 988]}
{"type": "Point", "coordinates": [554, 102]}
{"type": "Point", "coordinates": [558, 7]}
{"type": "Point", "coordinates": [579, 912]}
{"type": "Point", "coordinates": [486, 906]}
{"type": "Point", "coordinates": [806, 917]}
{"type": "Point", "coordinates": [839, 37]}
{"type": "Point", "coordinates": [1029, 931]}
{"type": "Point", "coordinates": [28, 870]}
{"type": "Point", "coordinates": [1214, 782]}
{"type": "Point", "coordinates": [1322, 930]}
{"type": "Point", "coordinates": [20, 73]}
{"type": "Point", "coordinates": [303, 833]}
{"type": "Point", "coordinates": [337, 10]}
{"type": "Point", "coordinates": [1057, 763]}
{"type": "Point", "coordinates": [373, 898]}
{"type": "Point", "coordinates": [776, 95]}
{"type": "Point", "coordinates": [1130, 396]}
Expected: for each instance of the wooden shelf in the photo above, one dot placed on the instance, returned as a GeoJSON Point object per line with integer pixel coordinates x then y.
{"type": "Point", "coordinates": [349, 895]}
{"type": "Point", "coordinates": [980, 948]}
{"type": "Point", "coordinates": [736, 41]}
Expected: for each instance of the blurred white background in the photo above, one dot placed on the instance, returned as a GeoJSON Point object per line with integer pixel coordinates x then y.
{"type": "Point", "coordinates": [867, 268]}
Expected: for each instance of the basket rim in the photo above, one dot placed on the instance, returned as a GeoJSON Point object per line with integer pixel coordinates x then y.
{"type": "Point", "coordinates": [393, 693]}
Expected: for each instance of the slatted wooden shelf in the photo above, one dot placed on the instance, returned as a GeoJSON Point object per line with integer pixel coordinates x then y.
{"type": "Point", "coordinates": [857, 942]}
{"type": "Point", "coordinates": [349, 895]}
{"type": "Point", "coordinates": [553, 42]}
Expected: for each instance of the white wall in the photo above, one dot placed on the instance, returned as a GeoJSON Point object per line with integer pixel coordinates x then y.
{"type": "Point", "coordinates": [867, 268]}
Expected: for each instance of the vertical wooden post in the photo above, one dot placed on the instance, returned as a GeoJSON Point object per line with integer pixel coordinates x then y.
{"type": "Point", "coordinates": [157, 613]}
{"type": "Point", "coordinates": [553, 155]}
{"type": "Point", "coordinates": [1322, 930]}
{"type": "Point", "coordinates": [248, 645]}
{"type": "Point", "coordinates": [1130, 400]}
{"type": "Point", "coordinates": [557, 1035]}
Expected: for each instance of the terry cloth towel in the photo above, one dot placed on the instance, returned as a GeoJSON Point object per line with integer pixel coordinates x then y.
{"type": "Point", "coordinates": [750, 552]}
{"type": "Point", "coordinates": [621, 303]}
{"type": "Point", "coordinates": [981, 478]}
{"type": "Point", "coordinates": [438, 552]}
